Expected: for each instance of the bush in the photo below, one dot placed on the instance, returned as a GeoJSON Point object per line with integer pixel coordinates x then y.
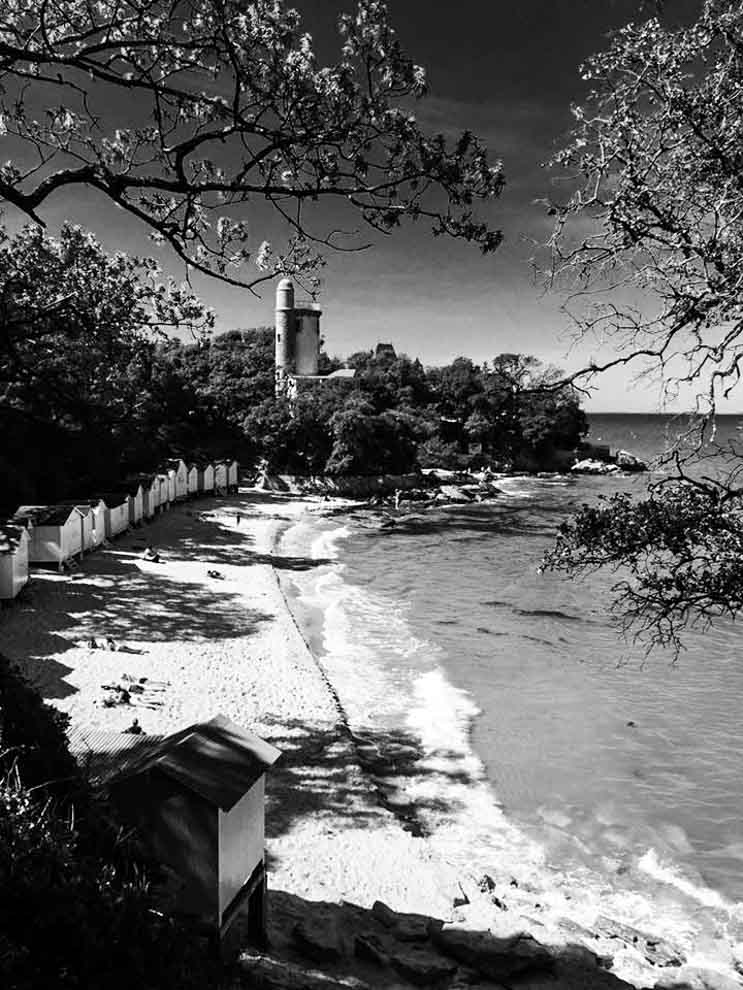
{"type": "Point", "coordinates": [76, 908]}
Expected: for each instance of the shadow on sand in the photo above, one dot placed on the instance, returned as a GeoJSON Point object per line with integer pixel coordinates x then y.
{"type": "Point", "coordinates": [354, 778]}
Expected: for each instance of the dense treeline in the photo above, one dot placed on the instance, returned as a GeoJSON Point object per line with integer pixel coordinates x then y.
{"type": "Point", "coordinates": [92, 387]}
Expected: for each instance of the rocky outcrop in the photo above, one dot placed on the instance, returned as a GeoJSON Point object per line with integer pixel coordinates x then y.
{"type": "Point", "coordinates": [319, 942]}
{"type": "Point", "coordinates": [268, 973]}
{"type": "Point", "coordinates": [495, 958]}
{"type": "Point", "coordinates": [657, 951]}
{"type": "Point", "coordinates": [589, 466]}
{"type": "Point", "coordinates": [628, 462]}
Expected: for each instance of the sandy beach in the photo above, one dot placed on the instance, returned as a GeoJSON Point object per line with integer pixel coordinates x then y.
{"type": "Point", "coordinates": [231, 645]}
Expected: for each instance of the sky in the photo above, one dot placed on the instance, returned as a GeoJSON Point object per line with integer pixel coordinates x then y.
{"type": "Point", "coordinates": [509, 72]}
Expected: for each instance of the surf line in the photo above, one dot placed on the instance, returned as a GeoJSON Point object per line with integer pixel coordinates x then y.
{"type": "Point", "coordinates": [407, 818]}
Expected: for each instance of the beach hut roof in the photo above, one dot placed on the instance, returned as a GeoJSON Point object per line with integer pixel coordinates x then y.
{"type": "Point", "coordinates": [112, 499]}
{"type": "Point", "coordinates": [218, 760]}
{"type": "Point", "coordinates": [145, 479]}
{"type": "Point", "coordinates": [45, 515]}
{"type": "Point", "coordinates": [130, 486]}
{"type": "Point", "coordinates": [10, 537]}
{"type": "Point", "coordinates": [82, 505]}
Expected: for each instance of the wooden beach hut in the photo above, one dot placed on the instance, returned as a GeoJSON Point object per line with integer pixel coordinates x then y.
{"type": "Point", "coordinates": [150, 493]}
{"type": "Point", "coordinates": [165, 500]}
{"type": "Point", "coordinates": [133, 490]}
{"type": "Point", "coordinates": [197, 798]}
{"type": "Point", "coordinates": [14, 541]}
{"type": "Point", "coordinates": [180, 479]}
{"type": "Point", "coordinates": [192, 478]}
{"type": "Point", "coordinates": [55, 531]}
{"type": "Point", "coordinates": [206, 479]}
{"type": "Point", "coordinates": [98, 518]}
{"type": "Point", "coordinates": [233, 469]}
{"type": "Point", "coordinates": [85, 510]}
{"type": "Point", "coordinates": [117, 513]}
{"type": "Point", "coordinates": [220, 477]}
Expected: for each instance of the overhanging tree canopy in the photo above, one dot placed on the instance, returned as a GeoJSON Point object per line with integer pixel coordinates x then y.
{"type": "Point", "coordinates": [185, 115]}
{"type": "Point", "coordinates": [651, 246]}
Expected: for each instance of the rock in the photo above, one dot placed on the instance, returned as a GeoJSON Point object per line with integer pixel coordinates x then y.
{"type": "Point", "coordinates": [628, 462]}
{"type": "Point", "coordinates": [454, 494]}
{"type": "Point", "coordinates": [384, 914]}
{"type": "Point", "coordinates": [496, 958]}
{"type": "Point", "coordinates": [658, 951]}
{"type": "Point", "coordinates": [406, 927]}
{"type": "Point", "coordinates": [265, 973]}
{"type": "Point", "coordinates": [422, 967]}
{"type": "Point", "coordinates": [696, 978]}
{"type": "Point", "coordinates": [371, 949]}
{"type": "Point", "coordinates": [317, 941]}
{"type": "Point", "coordinates": [589, 466]}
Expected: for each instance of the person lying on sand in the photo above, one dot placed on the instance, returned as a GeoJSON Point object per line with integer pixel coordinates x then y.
{"type": "Point", "coordinates": [135, 729]}
{"type": "Point", "coordinates": [216, 574]}
{"type": "Point", "coordinates": [150, 554]}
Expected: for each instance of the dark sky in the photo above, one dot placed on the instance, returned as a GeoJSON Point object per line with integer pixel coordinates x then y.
{"type": "Point", "coordinates": [509, 72]}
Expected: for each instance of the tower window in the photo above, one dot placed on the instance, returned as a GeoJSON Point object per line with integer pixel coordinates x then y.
{"type": "Point", "coordinates": [278, 336]}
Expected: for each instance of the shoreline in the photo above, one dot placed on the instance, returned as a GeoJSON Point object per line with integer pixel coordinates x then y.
{"type": "Point", "coordinates": [340, 825]}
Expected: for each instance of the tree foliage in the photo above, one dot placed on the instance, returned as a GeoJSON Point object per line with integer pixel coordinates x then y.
{"type": "Point", "coordinates": [650, 244]}
{"type": "Point", "coordinates": [185, 115]}
{"type": "Point", "coordinates": [76, 907]}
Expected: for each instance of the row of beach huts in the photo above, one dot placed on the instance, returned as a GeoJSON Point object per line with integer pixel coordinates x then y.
{"type": "Point", "coordinates": [53, 535]}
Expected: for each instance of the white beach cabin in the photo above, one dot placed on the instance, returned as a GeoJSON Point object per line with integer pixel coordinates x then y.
{"type": "Point", "coordinates": [220, 477]}
{"type": "Point", "coordinates": [14, 541]}
{"type": "Point", "coordinates": [164, 502]}
{"type": "Point", "coordinates": [133, 490]}
{"type": "Point", "coordinates": [98, 515]}
{"type": "Point", "coordinates": [181, 478]}
{"type": "Point", "coordinates": [233, 469]}
{"type": "Point", "coordinates": [206, 479]}
{"type": "Point", "coordinates": [150, 493]}
{"type": "Point", "coordinates": [56, 532]}
{"type": "Point", "coordinates": [117, 513]}
{"type": "Point", "coordinates": [86, 533]}
{"type": "Point", "coordinates": [193, 480]}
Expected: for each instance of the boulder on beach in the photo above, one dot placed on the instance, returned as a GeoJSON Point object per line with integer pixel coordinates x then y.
{"type": "Point", "coordinates": [628, 462]}
{"type": "Point", "coordinates": [590, 466]}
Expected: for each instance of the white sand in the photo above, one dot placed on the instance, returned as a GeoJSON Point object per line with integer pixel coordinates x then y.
{"type": "Point", "coordinates": [231, 646]}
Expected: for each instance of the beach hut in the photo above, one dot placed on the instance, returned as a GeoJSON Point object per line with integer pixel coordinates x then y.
{"type": "Point", "coordinates": [86, 531]}
{"type": "Point", "coordinates": [193, 480]}
{"type": "Point", "coordinates": [180, 480]}
{"type": "Point", "coordinates": [98, 517]}
{"type": "Point", "coordinates": [206, 479]}
{"type": "Point", "coordinates": [197, 799]}
{"type": "Point", "coordinates": [220, 477]}
{"type": "Point", "coordinates": [14, 541]}
{"type": "Point", "coordinates": [117, 513]}
{"type": "Point", "coordinates": [232, 471]}
{"type": "Point", "coordinates": [164, 498]}
{"type": "Point", "coordinates": [133, 490]}
{"type": "Point", "coordinates": [55, 531]}
{"type": "Point", "coordinates": [150, 493]}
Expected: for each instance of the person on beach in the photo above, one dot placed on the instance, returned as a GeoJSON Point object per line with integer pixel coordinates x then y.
{"type": "Point", "coordinates": [397, 498]}
{"type": "Point", "coordinates": [238, 517]}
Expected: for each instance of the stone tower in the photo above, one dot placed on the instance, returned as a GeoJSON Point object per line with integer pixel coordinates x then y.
{"type": "Point", "coordinates": [297, 342]}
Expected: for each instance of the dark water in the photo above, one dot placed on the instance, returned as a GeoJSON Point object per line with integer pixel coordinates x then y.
{"type": "Point", "coordinates": [659, 801]}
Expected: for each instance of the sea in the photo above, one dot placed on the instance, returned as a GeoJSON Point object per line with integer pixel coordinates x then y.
{"type": "Point", "coordinates": [616, 765]}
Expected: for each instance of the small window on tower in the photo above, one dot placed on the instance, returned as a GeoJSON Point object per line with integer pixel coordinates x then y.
{"type": "Point", "coordinates": [278, 336]}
